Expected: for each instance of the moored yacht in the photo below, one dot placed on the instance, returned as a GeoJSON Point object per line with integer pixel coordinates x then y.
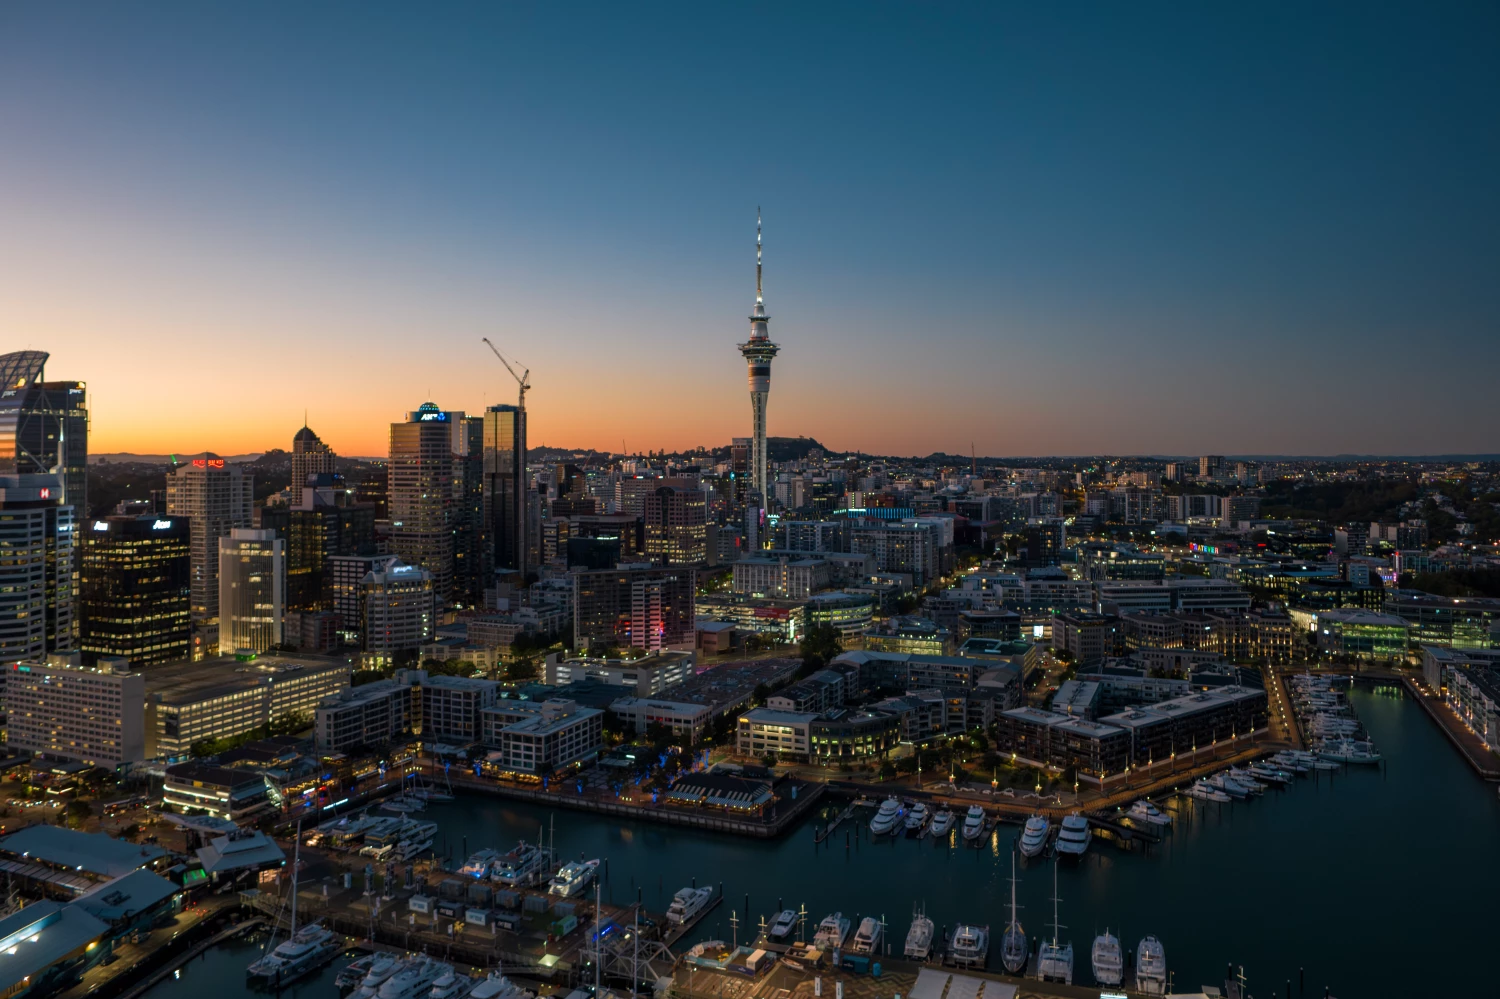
{"type": "Point", "coordinates": [1073, 835]}
{"type": "Point", "coordinates": [973, 823]}
{"type": "Point", "coordinates": [919, 938]}
{"type": "Point", "coordinates": [832, 931]}
{"type": "Point", "coordinates": [415, 979]}
{"type": "Point", "coordinates": [381, 967]}
{"type": "Point", "coordinates": [523, 866]}
{"type": "Point", "coordinates": [867, 937]}
{"type": "Point", "coordinates": [1204, 791]}
{"type": "Point", "coordinates": [1034, 836]}
{"type": "Point", "coordinates": [1108, 959]}
{"type": "Point", "coordinates": [969, 946]}
{"type": "Point", "coordinates": [1228, 785]}
{"type": "Point", "coordinates": [1054, 959]}
{"type": "Point", "coordinates": [942, 822]}
{"type": "Point", "coordinates": [917, 819]}
{"type": "Point", "coordinates": [1013, 940]}
{"type": "Point", "coordinates": [783, 926]}
{"type": "Point", "coordinates": [1144, 811]}
{"type": "Point", "coordinates": [478, 864]}
{"type": "Point", "coordinates": [497, 986]}
{"type": "Point", "coordinates": [886, 816]}
{"type": "Point", "coordinates": [308, 948]}
{"type": "Point", "coordinates": [1151, 967]}
{"type": "Point", "coordinates": [572, 878]}
{"type": "Point", "coordinates": [351, 974]}
{"type": "Point", "coordinates": [687, 903]}
{"type": "Point", "coordinates": [450, 985]}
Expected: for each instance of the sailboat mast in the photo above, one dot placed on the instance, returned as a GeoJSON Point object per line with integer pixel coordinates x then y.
{"type": "Point", "coordinates": [296, 856]}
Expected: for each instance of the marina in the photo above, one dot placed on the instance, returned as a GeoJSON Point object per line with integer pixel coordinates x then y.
{"type": "Point", "coordinates": [1120, 890]}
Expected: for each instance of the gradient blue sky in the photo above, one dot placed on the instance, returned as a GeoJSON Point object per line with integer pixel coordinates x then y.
{"type": "Point", "coordinates": [1102, 229]}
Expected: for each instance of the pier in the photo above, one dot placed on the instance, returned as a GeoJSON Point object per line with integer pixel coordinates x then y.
{"type": "Point", "coordinates": [1484, 762]}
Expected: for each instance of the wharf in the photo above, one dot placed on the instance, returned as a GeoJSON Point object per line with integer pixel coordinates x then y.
{"type": "Point", "coordinates": [1485, 763]}
{"type": "Point", "coordinates": [848, 813]}
{"type": "Point", "coordinates": [786, 813]}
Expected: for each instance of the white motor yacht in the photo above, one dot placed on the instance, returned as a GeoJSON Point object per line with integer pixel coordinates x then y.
{"type": "Point", "coordinates": [382, 966]}
{"type": "Point", "coordinates": [450, 986]}
{"type": "Point", "coordinates": [1228, 785]}
{"type": "Point", "coordinates": [497, 986]}
{"type": "Point", "coordinates": [1204, 791]}
{"type": "Point", "coordinates": [523, 866]}
{"type": "Point", "coordinates": [973, 823]}
{"type": "Point", "coordinates": [1151, 967]}
{"type": "Point", "coordinates": [687, 903]}
{"type": "Point", "coordinates": [969, 946]}
{"type": "Point", "coordinates": [783, 926]}
{"type": "Point", "coordinates": [572, 878]}
{"type": "Point", "coordinates": [479, 862]}
{"type": "Point", "coordinates": [413, 980]}
{"type": "Point", "coordinates": [886, 816]}
{"type": "Point", "coordinates": [352, 973]}
{"type": "Point", "coordinates": [917, 818]}
{"type": "Point", "coordinates": [867, 937]}
{"type": "Point", "coordinates": [1144, 811]}
{"type": "Point", "coordinates": [832, 931]}
{"type": "Point", "coordinates": [919, 938]}
{"type": "Point", "coordinates": [1348, 751]}
{"type": "Point", "coordinates": [1108, 959]}
{"type": "Point", "coordinates": [942, 823]}
{"type": "Point", "coordinates": [1034, 836]}
{"type": "Point", "coordinates": [1073, 836]}
{"type": "Point", "coordinates": [1246, 780]}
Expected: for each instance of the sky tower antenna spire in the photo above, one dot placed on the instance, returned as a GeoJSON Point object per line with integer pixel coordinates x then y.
{"type": "Point", "coordinates": [759, 299]}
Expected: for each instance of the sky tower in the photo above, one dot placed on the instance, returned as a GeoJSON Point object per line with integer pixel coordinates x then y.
{"type": "Point", "coordinates": [758, 352]}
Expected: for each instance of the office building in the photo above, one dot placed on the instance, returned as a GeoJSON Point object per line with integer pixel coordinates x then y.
{"type": "Point", "coordinates": [252, 590]}
{"type": "Point", "coordinates": [539, 739]}
{"type": "Point", "coordinates": [219, 792]}
{"type": "Point", "coordinates": [38, 571]}
{"type": "Point", "coordinates": [310, 456]}
{"type": "Point", "coordinates": [1362, 634]}
{"type": "Point", "coordinates": [421, 492]}
{"type": "Point", "coordinates": [44, 427]}
{"type": "Point", "coordinates": [450, 706]}
{"type": "Point", "coordinates": [398, 605]}
{"type": "Point", "coordinates": [368, 716]}
{"type": "Point", "coordinates": [135, 590]}
{"type": "Point", "coordinates": [346, 576]}
{"type": "Point", "coordinates": [1460, 622]}
{"type": "Point", "coordinates": [505, 488]}
{"type": "Point", "coordinates": [676, 524]}
{"type": "Point", "coordinates": [1088, 638]}
{"type": "Point", "coordinates": [472, 571]}
{"type": "Point", "coordinates": [760, 731]}
{"type": "Point", "coordinates": [646, 676]}
{"type": "Point", "coordinates": [225, 696]}
{"type": "Point", "coordinates": [899, 548]}
{"type": "Point", "coordinates": [1045, 543]}
{"type": "Point", "coordinates": [216, 497]}
{"type": "Point", "coordinates": [909, 634]}
{"type": "Point", "coordinates": [814, 535]}
{"type": "Point", "coordinates": [323, 524]}
{"type": "Point", "coordinates": [758, 352]}
{"type": "Point", "coordinates": [784, 576]}
{"type": "Point", "coordinates": [686, 720]}
{"type": "Point", "coordinates": [649, 608]}
{"type": "Point", "coordinates": [1210, 466]}
{"type": "Point", "coordinates": [74, 712]}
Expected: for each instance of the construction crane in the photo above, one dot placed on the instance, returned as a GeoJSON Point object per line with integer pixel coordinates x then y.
{"type": "Point", "coordinates": [521, 379]}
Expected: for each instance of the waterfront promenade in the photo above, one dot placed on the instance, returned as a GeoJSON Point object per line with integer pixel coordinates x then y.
{"type": "Point", "coordinates": [1479, 756]}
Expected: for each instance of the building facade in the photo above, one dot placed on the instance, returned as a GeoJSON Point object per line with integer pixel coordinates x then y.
{"type": "Point", "coordinates": [216, 497]}
{"type": "Point", "coordinates": [649, 608]}
{"type": "Point", "coordinates": [38, 569]}
{"type": "Point", "coordinates": [252, 590]}
{"type": "Point", "coordinates": [135, 590]}
{"type": "Point", "coordinates": [93, 715]}
{"type": "Point", "coordinates": [422, 492]}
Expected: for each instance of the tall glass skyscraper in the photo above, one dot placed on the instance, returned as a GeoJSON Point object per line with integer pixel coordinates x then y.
{"type": "Point", "coordinates": [505, 488]}
{"type": "Point", "coordinates": [135, 596]}
{"type": "Point", "coordinates": [44, 426]}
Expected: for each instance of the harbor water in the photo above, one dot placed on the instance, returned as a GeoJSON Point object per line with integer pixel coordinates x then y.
{"type": "Point", "coordinates": [1372, 881]}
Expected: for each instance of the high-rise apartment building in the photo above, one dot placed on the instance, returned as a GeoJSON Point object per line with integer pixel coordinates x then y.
{"type": "Point", "coordinates": [310, 456]}
{"type": "Point", "coordinates": [44, 427]}
{"type": "Point", "coordinates": [346, 576]}
{"type": "Point", "coordinates": [252, 590]}
{"type": "Point", "coordinates": [422, 491]}
{"type": "Point", "coordinates": [1210, 465]}
{"type": "Point", "coordinates": [91, 715]}
{"type": "Point", "coordinates": [505, 488]}
{"type": "Point", "coordinates": [38, 569]}
{"type": "Point", "coordinates": [650, 608]}
{"type": "Point", "coordinates": [135, 590]}
{"type": "Point", "coordinates": [215, 497]}
{"type": "Point", "coordinates": [676, 522]}
{"type": "Point", "coordinates": [399, 608]}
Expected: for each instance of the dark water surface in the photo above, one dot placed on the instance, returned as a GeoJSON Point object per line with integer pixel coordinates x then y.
{"type": "Point", "coordinates": [1379, 882]}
